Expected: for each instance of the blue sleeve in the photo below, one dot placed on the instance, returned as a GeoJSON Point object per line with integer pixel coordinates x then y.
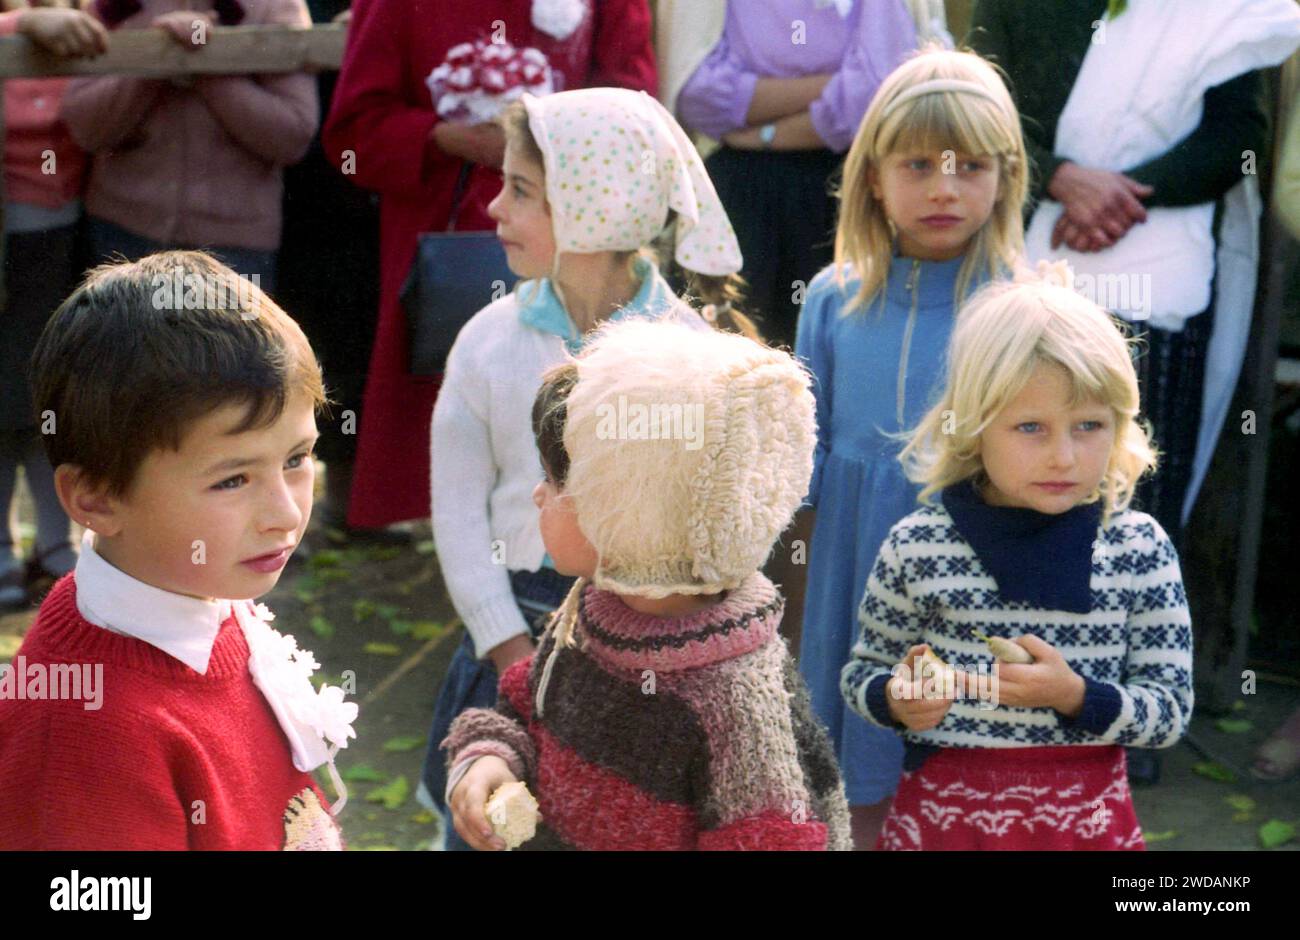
{"type": "Point", "coordinates": [890, 622]}
{"type": "Point", "coordinates": [1102, 704]}
{"type": "Point", "coordinates": [812, 345]}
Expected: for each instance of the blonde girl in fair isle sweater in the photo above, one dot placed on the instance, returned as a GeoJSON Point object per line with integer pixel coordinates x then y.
{"type": "Point", "coordinates": [1034, 450]}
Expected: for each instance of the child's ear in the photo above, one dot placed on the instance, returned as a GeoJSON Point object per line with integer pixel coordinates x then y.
{"type": "Point", "coordinates": [87, 504]}
{"type": "Point", "coordinates": [873, 180]}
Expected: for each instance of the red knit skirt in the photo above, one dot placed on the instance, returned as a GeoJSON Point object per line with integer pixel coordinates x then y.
{"type": "Point", "coordinates": [1026, 798]}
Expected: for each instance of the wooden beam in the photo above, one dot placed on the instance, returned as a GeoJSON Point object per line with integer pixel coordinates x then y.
{"type": "Point", "coordinates": [229, 50]}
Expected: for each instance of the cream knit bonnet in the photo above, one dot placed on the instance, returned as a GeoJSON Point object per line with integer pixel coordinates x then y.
{"type": "Point", "coordinates": [689, 453]}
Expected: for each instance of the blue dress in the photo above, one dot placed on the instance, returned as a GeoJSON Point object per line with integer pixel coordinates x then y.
{"type": "Point", "coordinates": [876, 372]}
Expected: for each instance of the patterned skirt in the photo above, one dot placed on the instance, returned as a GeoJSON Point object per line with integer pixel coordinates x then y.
{"type": "Point", "coordinates": [1027, 798]}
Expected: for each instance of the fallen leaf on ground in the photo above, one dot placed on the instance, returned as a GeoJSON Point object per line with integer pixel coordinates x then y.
{"type": "Point", "coordinates": [383, 649]}
{"type": "Point", "coordinates": [392, 795]}
{"type": "Point", "coordinates": [1234, 725]}
{"type": "Point", "coordinates": [1214, 771]}
{"type": "Point", "coordinates": [363, 773]}
{"type": "Point", "coordinates": [9, 646]}
{"type": "Point", "coordinates": [1275, 832]}
{"type": "Point", "coordinates": [325, 558]}
{"type": "Point", "coordinates": [1159, 836]}
{"type": "Point", "coordinates": [1240, 802]}
{"type": "Point", "coordinates": [427, 629]}
{"type": "Point", "coordinates": [321, 626]}
{"type": "Point", "coordinates": [404, 743]}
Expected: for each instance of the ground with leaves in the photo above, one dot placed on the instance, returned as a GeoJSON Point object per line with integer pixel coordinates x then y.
{"type": "Point", "coordinates": [379, 621]}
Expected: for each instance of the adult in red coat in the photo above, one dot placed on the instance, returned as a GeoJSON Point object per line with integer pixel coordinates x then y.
{"type": "Point", "coordinates": [382, 131]}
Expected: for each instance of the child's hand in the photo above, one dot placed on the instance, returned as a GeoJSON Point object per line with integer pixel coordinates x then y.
{"type": "Point", "coordinates": [67, 33]}
{"type": "Point", "coordinates": [1048, 681]}
{"type": "Point", "coordinates": [471, 796]}
{"type": "Point", "coordinates": [504, 655]}
{"type": "Point", "coordinates": [183, 26]}
{"type": "Point", "coordinates": [924, 713]}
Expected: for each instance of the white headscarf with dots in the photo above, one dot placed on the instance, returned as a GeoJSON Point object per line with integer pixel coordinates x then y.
{"type": "Point", "coordinates": [616, 161]}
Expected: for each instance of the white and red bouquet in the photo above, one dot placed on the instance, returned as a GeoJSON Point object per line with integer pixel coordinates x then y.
{"type": "Point", "coordinates": [478, 79]}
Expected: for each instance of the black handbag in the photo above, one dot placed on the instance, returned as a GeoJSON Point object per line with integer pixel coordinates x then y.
{"type": "Point", "coordinates": [454, 275]}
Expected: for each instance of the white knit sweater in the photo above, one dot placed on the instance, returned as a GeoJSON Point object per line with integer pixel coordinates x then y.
{"type": "Point", "coordinates": [1133, 648]}
{"type": "Point", "coordinates": [485, 462]}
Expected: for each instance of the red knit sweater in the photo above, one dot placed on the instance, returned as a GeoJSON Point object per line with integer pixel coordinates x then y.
{"type": "Point", "coordinates": [171, 760]}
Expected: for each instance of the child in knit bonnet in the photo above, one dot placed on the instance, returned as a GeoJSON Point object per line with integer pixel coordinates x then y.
{"type": "Point", "coordinates": [662, 709]}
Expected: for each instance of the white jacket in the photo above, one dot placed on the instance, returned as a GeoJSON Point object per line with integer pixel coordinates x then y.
{"type": "Point", "coordinates": [485, 462]}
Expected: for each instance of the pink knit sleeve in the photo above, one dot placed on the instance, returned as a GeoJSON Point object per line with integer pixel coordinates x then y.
{"type": "Point", "coordinates": [271, 116]}
{"type": "Point", "coordinates": [101, 111]}
{"type": "Point", "coordinates": [502, 731]}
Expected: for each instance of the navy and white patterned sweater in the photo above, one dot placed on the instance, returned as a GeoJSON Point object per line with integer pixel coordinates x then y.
{"type": "Point", "coordinates": [1133, 649]}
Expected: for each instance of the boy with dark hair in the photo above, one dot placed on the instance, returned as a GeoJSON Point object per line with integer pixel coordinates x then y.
{"type": "Point", "coordinates": [151, 706]}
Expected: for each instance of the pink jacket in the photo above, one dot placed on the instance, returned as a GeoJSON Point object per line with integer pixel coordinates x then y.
{"type": "Point", "coordinates": [200, 165]}
{"type": "Point", "coordinates": [32, 132]}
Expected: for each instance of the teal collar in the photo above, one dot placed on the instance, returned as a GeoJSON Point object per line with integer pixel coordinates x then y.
{"type": "Point", "coordinates": [541, 309]}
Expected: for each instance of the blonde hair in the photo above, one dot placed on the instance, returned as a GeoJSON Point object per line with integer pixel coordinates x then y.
{"type": "Point", "coordinates": [1001, 336]}
{"type": "Point", "coordinates": [939, 120]}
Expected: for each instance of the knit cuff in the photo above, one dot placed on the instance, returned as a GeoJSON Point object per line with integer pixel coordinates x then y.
{"type": "Point", "coordinates": [476, 726]}
{"type": "Point", "coordinates": [877, 701]}
{"type": "Point", "coordinates": [492, 749]}
{"type": "Point", "coordinates": [461, 763]}
{"type": "Point", "coordinates": [493, 622]}
{"type": "Point", "coordinates": [1102, 703]}
{"type": "Point", "coordinates": [454, 777]}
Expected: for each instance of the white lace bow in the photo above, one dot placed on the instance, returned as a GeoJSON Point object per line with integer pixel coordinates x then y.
{"type": "Point", "coordinates": [282, 672]}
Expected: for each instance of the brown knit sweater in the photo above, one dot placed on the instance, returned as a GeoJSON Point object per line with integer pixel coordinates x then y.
{"type": "Point", "coordinates": [667, 733]}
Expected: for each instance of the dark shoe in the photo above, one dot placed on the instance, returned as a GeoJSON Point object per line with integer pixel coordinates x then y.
{"type": "Point", "coordinates": [13, 587]}
{"type": "Point", "coordinates": [47, 567]}
{"type": "Point", "coordinates": [1143, 766]}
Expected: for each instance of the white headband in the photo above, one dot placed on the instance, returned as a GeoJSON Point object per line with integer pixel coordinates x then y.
{"type": "Point", "coordinates": [936, 85]}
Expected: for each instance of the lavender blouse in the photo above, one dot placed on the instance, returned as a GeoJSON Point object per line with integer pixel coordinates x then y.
{"type": "Point", "coordinates": [765, 39]}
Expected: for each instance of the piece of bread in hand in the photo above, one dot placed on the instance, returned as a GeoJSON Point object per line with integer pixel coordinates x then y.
{"type": "Point", "coordinates": [512, 811]}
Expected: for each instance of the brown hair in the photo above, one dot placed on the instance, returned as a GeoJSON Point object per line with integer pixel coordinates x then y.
{"type": "Point", "coordinates": [140, 350]}
{"type": "Point", "coordinates": [514, 121]}
{"type": "Point", "coordinates": [719, 297]}
{"type": "Point", "coordinates": [550, 411]}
